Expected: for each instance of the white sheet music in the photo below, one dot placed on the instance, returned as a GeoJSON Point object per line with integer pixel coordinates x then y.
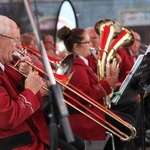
{"type": "Point", "coordinates": [148, 50]}
{"type": "Point", "coordinates": [127, 79]}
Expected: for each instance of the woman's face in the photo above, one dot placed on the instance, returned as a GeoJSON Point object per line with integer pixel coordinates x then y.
{"type": "Point", "coordinates": [83, 48]}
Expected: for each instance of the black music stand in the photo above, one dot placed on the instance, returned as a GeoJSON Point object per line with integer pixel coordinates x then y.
{"type": "Point", "coordinates": [137, 82]}
{"type": "Point", "coordinates": [55, 89]}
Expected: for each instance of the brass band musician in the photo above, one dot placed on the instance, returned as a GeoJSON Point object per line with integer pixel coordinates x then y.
{"type": "Point", "coordinates": [78, 42]}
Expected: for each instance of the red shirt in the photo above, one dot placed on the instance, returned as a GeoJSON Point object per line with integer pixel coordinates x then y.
{"type": "Point", "coordinates": [126, 63]}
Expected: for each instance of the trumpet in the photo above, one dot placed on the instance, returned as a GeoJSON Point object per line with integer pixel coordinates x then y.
{"type": "Point", "coordinates": [88, 112]}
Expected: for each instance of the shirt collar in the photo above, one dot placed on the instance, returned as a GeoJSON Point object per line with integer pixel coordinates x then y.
{"type": "Point", "coordinates": [2, 66]}
{"type": "Point", "coordinates": [84, 59]}
{"type": "Point", "coordinates": [132, 54]}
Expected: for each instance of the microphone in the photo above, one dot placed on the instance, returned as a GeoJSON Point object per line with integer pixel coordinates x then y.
{"type": "Point", "coordinates": [143, 48]}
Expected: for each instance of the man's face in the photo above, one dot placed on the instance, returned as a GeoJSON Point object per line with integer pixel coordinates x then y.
{"type": "Point", "coordinates": [94, 39]}
{"type": "Point", "coordinates": [10, 42]}
{"type": "Point", "coordinates": [136, 45]}
{"type": "Point", "coordinates": [49, 43]}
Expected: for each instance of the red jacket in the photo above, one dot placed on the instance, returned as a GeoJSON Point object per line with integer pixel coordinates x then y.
{"type": "Point", "coordinates": [85, 80]}
{"type": "Point", "coordinates": [126, 64]}
{"type": "Point", "coordinates": [20, 113]}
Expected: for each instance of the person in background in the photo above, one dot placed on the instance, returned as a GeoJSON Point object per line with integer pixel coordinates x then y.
{"type": "Point", "coordinates": [78, 42]}
{"type": "Point", "coordinates": [48, 41]}
{"type": "Point", "coordinates": [29, 39]}
{"type": "Point", "coordinates": [128, 56]}
{"type": "Point", "coordinates": [23, 124]}
{"type": "Point", "coordinates": [120, 55]}
{"type": "Point", "coordinates": [94, 38]}
{"type": "Point", "coordinates": [92, 58]}
{"type": "Point", "coordinates": [95, 49]}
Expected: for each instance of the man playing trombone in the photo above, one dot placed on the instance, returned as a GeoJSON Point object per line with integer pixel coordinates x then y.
{"type": "Point", "coordinates": [23, 124]}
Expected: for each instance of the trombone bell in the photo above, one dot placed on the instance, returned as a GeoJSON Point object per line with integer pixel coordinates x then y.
{"type": "Point", "coordinates": [65, 66]}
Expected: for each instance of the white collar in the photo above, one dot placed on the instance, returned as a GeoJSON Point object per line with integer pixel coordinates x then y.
{"type": "Point", "coordinates": [84, 59]}
{"type": "Point", "coordinates": [94, 52]}
{"type": "Point", "coordinates": [2, 66]}
{"type": "Point", "coordinates": [132, 54]}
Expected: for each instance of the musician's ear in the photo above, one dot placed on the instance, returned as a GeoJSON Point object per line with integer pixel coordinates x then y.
{"type": "Point", "coordinates": [75, 46]}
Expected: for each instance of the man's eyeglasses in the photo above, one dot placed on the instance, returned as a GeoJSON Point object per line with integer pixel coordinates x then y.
{"type": "Point", "coordinates": [137, 40]}
{"type": "Point", "coordinates": [14, 39]}
{"type": "Point", "coordinates": [84, 42]}
{"type": "Point", "coordinates": [93, 37]}
{"type": "Point", "coordinates": [50, 42]}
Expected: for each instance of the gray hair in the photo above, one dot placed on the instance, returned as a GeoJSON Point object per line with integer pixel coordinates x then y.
{"type": "Point", "coordinates": [6, 24]}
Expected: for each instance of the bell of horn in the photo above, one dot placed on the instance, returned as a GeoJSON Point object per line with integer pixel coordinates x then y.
{"type": "Point", "coordinates": [125, 39]}
{"type": "Point", "coordinates": [59, 66]}
{"type": "Point", "coordinates": [65, 64]}
{"type": "Point", "coordinates": [107, 30]}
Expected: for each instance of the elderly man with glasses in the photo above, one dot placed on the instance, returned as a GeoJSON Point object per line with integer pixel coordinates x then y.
{"type": "Point", "coordinates": [22, 124]}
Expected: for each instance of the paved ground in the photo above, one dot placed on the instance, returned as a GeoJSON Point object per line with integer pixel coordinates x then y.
{"type": "Point", "coordinates": [99, 145]}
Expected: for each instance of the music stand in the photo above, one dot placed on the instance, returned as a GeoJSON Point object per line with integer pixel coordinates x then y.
{"type": "Point", "coordinates": [137, 82]}
{"type": "Point", "coordinates": [55, 88]}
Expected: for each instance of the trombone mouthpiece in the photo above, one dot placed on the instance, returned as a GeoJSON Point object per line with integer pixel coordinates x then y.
{"type": "Point", "coordinates": [16, 54]}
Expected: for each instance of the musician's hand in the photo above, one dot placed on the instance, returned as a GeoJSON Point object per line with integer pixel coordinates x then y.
{"type": "Point", "coordinates": [111, 81]}
{"type": "Point", "coordinates": [45, 91]}
{"type": "Point", "coordinates": [24, 67]}
{"type": "Point", "coordinates": [33, 82]}
{"type": "Point", "coordinates": [119, 59]}
{"type": "Point", "coordinates": [114, 72]}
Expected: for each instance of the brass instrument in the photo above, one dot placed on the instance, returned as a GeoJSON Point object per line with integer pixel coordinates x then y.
{"type": "Point", "coordinates": [112, 36]}
{"type": "Point", "coordinates": [59, 66]}
{"type": "Point", "coordinates": [125, 38]}
{"type": "Point", "coordinates": [107, 29]}
{"type": "Point", "coordinates": [90, 114]}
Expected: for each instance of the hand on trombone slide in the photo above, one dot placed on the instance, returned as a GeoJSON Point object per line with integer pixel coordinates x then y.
{"type": "Point", "coordinates": [23, 66]}
{"type": "Point", "coordinates": [33, 81]}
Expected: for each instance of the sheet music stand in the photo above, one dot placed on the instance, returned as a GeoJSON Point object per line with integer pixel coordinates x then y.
{"type": "Point", "coordinates": [136, 83]}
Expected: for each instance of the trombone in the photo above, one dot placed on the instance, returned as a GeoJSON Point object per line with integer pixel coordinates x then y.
{"type": "Point", "coordinates": [84, 109]}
